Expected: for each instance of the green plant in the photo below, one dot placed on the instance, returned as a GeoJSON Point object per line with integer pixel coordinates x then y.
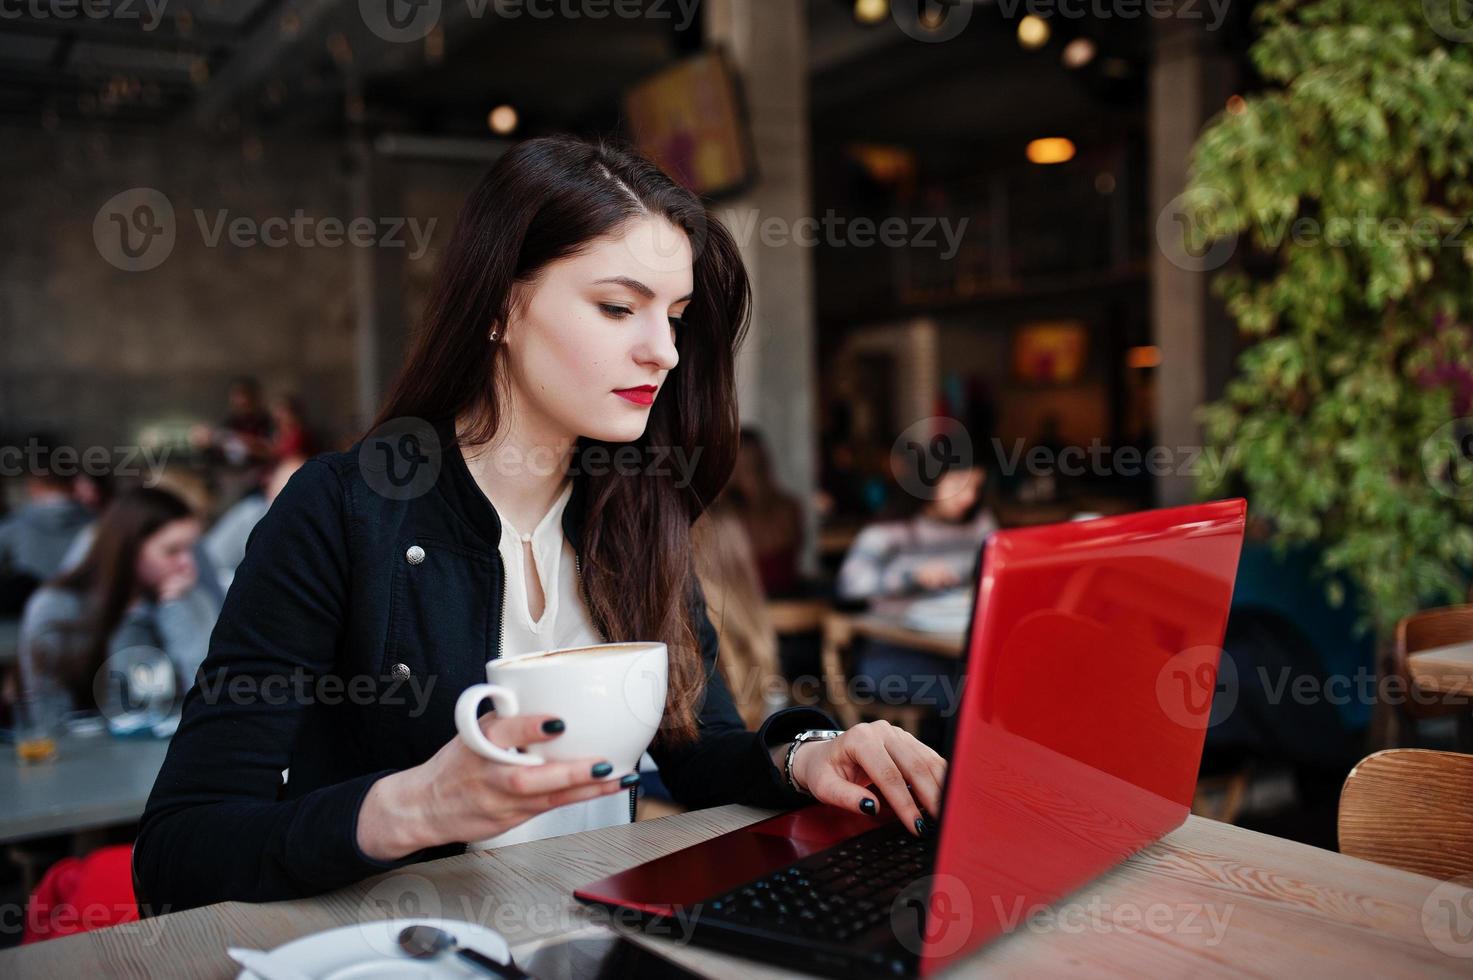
{"type": "Point", "coordinates": [1347, 179]}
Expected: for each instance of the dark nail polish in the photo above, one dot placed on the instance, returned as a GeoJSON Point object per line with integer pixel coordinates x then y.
{"type": "Point", "coordinates": [867, 806]}
{"type": "Point", "coordinates": [921, 826]}
{"type": "Point", "coordinates": [602, 769]}
{"type": "Point", "coordinates": [552, 726]}
{"type": "Point", "coordinates": [629, 780]}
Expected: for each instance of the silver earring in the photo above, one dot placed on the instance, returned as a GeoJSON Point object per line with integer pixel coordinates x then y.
{"type": "Point", "coordinates": [491, 335]}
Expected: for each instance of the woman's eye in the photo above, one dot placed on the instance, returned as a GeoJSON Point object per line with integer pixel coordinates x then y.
{"type": "Point", "coordinates": [617, 312]}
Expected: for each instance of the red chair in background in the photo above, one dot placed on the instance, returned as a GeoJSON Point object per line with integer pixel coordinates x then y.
{"type": "Point", "coordinates": [78, 894]}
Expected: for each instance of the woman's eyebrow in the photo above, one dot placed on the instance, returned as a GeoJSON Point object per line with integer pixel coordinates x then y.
{"type": "Point", "coordinates": [637, 286]}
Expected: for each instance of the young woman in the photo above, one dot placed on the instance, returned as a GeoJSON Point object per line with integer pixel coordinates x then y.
{"type": "Point", "coordinates": [586, 309]}
{"type": "Point", "coordinates": [130, 590]}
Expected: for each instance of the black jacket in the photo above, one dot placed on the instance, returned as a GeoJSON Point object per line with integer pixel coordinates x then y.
{"type": "Point", "coordinates": [338, 656]}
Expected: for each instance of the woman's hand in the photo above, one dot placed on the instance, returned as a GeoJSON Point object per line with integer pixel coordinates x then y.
{"type": "Point", "coordinates": [839, 772]}
{"type": "Point", "coordinates": [459, 796]}
{"type": "Point", "coordinates": [936, 575]}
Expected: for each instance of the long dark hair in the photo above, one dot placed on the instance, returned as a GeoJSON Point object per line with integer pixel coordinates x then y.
{"type": "Point", "coordinates": [107, 578]}
{"type": "Point", "coordinates": [542, 201]}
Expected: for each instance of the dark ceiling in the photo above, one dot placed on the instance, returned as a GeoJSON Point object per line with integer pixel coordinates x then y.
{"type": "Point", "coordinates": [320, 66]}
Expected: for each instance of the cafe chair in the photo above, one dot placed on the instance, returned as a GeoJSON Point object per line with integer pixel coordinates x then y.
{"type": "Point", "coordinates": [78, 894]}
{"type": "Point", "coordinates": [838, 647]}
{"type": "Point", "coordinates": [1410, 809]}
{"type": "Point", "coordinates": [1429, 629]}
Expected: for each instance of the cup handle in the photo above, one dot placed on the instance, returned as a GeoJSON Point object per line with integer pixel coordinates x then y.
{"type": "Point", "coordinates": [469, 726]}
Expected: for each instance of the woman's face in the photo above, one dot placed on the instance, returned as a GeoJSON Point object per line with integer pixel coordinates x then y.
{"type": "Point", "coordinates": [956, 493]}
{"type": "Point", "coordinates": [596, 324]}
{"type": "Point", "coordinates": [168, 553]}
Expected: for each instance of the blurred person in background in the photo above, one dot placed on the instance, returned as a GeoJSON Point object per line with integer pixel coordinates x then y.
{"type": "Point", "coordinates": [129, 591]}
{"type": "Point", "coordinates": [35, 539]}
{"type": "Point", "coordinates": [727, 570]}
{"type": "Point", "coordinates": [921, 546]}
{"type": "Point", "coordinates": [934, 548]}
{"type": "Point", "coordinates": [225, 542]}
{"type": "Point", "coordinates": [189, 487]}
{"type": "Point", "coordinates": [772, 516]}
{"type": "Point", "coordinates": [291, 438]}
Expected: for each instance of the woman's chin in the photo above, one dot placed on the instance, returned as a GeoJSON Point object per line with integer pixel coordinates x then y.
{"type": "Point", "coordinates": [617, 430]}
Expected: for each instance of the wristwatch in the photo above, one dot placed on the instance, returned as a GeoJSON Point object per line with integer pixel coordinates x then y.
{"type": "Point", "coordinates": [812, 735]}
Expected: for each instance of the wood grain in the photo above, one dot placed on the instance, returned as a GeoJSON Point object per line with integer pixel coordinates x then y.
{"type": "Point", "coordinates": [1411, 809]}
{"type": "Point", "coordinates": [1209, 899]}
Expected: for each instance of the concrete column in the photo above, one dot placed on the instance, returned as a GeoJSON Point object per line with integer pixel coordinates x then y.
{"type": "Point", "coordinates": [767, 41]}
{"type": "Point", "coordinates": [378, 284]}
{"type": "Point", "coordinates": [1188, 84]}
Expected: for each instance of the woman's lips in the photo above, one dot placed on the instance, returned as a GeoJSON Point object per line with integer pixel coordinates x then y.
{"type": "Point", "coordinates": [643, 395]}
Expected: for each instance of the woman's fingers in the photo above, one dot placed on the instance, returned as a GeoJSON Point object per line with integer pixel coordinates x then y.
{"type": "Point", "coordinates": [831, 788]}
{"type": "Point", "coordinates": [580, 793]}
{"type": "Point", "coordinates": [520, 729]}
{"type": "Point", "coordinates": [922, 768]}
{"type": "Point", "coordinates": [871, 753]}
{"type": "Point", "coordinates": [550, 777]}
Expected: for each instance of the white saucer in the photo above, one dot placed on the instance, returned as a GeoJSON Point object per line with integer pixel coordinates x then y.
{"type": "Point", "coordinates": [371, 950]}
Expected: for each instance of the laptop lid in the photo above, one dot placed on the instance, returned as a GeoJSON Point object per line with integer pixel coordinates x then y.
{"type": "Point", "coordinates": [1092, 663]}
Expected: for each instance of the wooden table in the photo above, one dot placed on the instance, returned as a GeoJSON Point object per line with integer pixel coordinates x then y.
{"type": "Point", "coordinates": [1209, 899]}
{"type": "Point", "coordinates": [94, 781]}
{"type": "Point", "coordinates": [1444, 670]}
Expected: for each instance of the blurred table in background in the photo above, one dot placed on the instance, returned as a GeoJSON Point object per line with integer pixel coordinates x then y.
{"type": "Point", "coordinates": [95, 781]}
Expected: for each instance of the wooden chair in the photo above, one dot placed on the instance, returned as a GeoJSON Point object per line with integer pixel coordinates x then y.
{"type": "Point", "coordinates": [794, 617]}
{"type": "Point", "coordinates": [1410, 809]}
{"type": "Point", "coordinates": [1416, 633]}
{"type": "Point", "coordinates": [838, 644]}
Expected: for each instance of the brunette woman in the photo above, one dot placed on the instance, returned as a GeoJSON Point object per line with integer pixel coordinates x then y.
{"type": "Point", "coordinates": [521, 491]}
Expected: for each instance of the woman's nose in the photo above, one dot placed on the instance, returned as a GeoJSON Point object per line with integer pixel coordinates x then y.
{"type": "Point", "coordinates": [657, 346]}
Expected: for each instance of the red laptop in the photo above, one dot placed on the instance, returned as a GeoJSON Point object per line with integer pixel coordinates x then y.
{"type": "Point", "coordinates": [1091, 667]}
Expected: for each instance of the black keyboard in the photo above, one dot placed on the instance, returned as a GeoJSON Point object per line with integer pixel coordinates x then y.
{"type": "Point", "coordinates": [838, 896]}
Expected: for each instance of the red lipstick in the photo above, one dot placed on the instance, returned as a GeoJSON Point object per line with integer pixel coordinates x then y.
{"type": "Point", "coordinates": [643, 395]}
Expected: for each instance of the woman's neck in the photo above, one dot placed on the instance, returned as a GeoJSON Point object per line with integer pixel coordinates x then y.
{"type": "Point", "coordinates": [522, 470]}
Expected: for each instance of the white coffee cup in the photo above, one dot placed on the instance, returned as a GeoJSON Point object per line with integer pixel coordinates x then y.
{"type": "Point", "coordinates": [610, 698]}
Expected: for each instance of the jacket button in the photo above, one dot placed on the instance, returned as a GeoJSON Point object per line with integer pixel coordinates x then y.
{"type": "Point", "coordinates": [414, 555]}
{"type": "Point", "coordinates": [400, 670]}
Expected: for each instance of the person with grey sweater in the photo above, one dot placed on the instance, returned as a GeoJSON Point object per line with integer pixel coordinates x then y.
{"type": "Point", "coordinates": [35, 537]}
{"type": "Point", "coordinates": [137, 587]}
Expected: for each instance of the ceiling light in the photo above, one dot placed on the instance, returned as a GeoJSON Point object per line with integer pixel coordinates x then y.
{"type": "Point", "coordinates": [871, 11]}
{"type": "Point", "coordinates": [1033, 32]}
{"type": "Point", "coordinates": [1078, 52]}
{"type": "Point", "coordinates": [502, 120]}
{"type": "Point", "coordinates": [1051, 149]}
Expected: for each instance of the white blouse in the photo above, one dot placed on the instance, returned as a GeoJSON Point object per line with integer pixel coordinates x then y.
{"type": "Point", "coordinates": [565, 622]}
